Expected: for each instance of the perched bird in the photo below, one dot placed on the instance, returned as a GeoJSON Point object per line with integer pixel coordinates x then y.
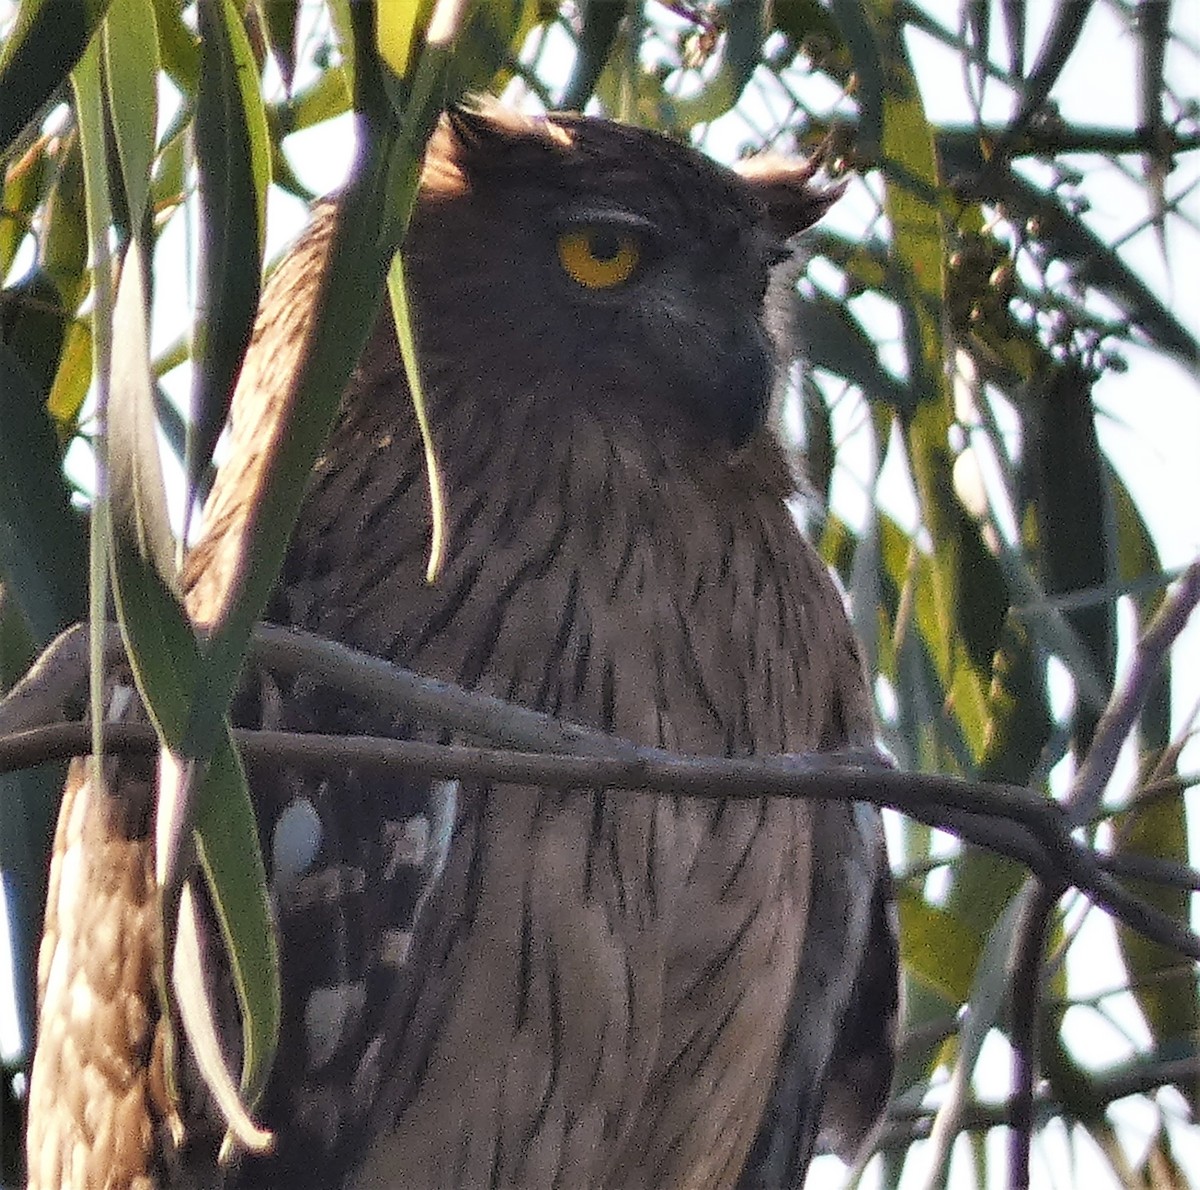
{"type": "Point", "coordinates": [490, 985]}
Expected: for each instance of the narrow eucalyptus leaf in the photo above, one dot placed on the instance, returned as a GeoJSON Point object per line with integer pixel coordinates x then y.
{"type": "Point", "coordinates": [41, 538]}
{"type": "Point", "coordinates": [1074, 514]}
{"type": "Point", "coordinates": [233, 160]}
{"type": "Point", "coordinates": [279, 23]}
{"type": "Point", "coordinates": [178, 46]}
{"type": "Point", "coordinates": [599, 21]}
{"type": "Point", "coordinates": [228, 851]}
{"type": "Point", "coordinates": [131, 77]}
{"type": "Point", "coordinates": [138, 498]}
{"type": "Point", "coordinates": [745, 31]}
{"type": "Point", "coordinates": [40, 51]}
{"type": "Point", "coordinates": [347, 303]}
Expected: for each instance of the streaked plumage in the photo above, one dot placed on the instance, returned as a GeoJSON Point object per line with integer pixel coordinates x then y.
{"type": "Point", "coordinates": [603, 990]}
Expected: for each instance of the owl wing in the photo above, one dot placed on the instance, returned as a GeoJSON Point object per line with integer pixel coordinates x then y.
{"type": "Point", "coordinates": [348, 860]}
{"type": "Point", "coordinates": [838, 1050]}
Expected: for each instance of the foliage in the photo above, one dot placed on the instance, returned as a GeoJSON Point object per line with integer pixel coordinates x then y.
{"type": "Point", "coordinates": [957, 324]}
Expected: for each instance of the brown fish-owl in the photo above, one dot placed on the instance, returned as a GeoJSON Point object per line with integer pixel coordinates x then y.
{"type": "Point", "coordinates": [496, 985]}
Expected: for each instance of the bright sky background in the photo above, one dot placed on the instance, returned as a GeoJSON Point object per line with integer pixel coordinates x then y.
{"type": "Point", "coordinates": [1151, 431]}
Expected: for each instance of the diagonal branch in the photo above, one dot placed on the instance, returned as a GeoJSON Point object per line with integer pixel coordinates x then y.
{"type": "Point", "coordinates": [1009, 820]}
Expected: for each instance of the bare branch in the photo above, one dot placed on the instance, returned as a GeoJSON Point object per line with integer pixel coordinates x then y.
{"type": "Point", "coordinates": [1140, 1076]}
{"type": "Point", "coordinates": [1085, 796]}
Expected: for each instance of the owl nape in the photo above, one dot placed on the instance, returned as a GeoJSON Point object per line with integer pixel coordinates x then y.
{"type": "Point", "coordinates": [504, 985]}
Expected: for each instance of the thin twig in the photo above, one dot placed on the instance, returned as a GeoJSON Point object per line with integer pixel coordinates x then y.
{"type": "Point", "coordinates": [1085, 797]}
{"type": "Point", "coordinates": [1025, 980]}
{"type": "Point", "coordinates": [1137, 1077]}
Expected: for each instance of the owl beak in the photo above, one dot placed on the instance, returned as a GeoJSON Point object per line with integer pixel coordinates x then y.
{"type": "Point", "coordinates": [736, 398]}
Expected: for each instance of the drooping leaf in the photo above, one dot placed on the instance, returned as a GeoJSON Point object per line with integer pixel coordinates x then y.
{"type": "Point", "coordinates": [970, 605]}
{"type": "Point", "coordinates": [39, 53]}
{"type": "Point", "coordinates": [599, 21]}
{"type": "Point", "coordinates": [279, 20]}
{"type": "Point", "coordinates": [374, 215]}
{"type": "Point", "coordinates": [213, 804]}
{"type": "Point", "coordinates": [835, 340]}
{"type": "Point", "coordinates": [63, 246]}
{"type": "Point", "coordinates": [178, 46]}
{"type": "Point", "coordinates": [937, 948]}
{"type": "Point", "coordinates": [1164, 986]}
{"type": "Point", "coordinates": [131, 86]}
{"type": "Point", "coordinates": [1067, 476]}
{"type": "Point", "coordinates": [234, 166]}
{"type": "Point", "coordinates": [41, 537]}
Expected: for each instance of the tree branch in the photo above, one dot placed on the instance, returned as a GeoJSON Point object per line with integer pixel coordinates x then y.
{"type": "Point", "coordinates": [1009, 820]}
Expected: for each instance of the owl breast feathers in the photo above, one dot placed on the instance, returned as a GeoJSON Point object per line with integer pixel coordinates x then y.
{"type": "Point", "coordinates": [497, 985]}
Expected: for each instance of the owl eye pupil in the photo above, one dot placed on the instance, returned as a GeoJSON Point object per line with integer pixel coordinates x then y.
{"type": "Point", "coordinates": [605, 245]}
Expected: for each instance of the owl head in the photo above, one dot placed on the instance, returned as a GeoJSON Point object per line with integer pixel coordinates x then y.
{"type": "Point", "coordinates": [606, 267]}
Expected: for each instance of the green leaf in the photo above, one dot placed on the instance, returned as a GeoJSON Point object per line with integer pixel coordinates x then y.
{"type": "Point", "coordinates": [215, 809]}
{"type": "Point", "coordinates": [20, 196]}
{"type": "Point", "coordinates": [401, 316]}
{"type": "Point", "coordinates": [599, 21]}
{"type": "Point", "coordinates": [1137, 557]}
{"type": "Point", "coordinates": [178, 46]}
{"type": "Point", "coordinates": [89, 117]}
{"type": "Point", "coordinates": [489, 43]}
{"type": "Point", "coordinates": [1019, 720]}
{"type": "Point", "coordinates": [328, 96]}
{"type": "Point", "coordinates": [374, 213]}
{"type": "Point", "coordinates": [399, 32]}
{"type": "Point", "coordinates": [746, 29]}
{"type": "Point", "coordinates": [233, 160]}
{"type": "Point", "coordinates": [41, 538]}
{"type": "Point", "coordinates": [834, 340]}
{"type": "Point", "coordinates": [131, 86]}
{"type": "Point", "coordinates": [1165, 987]}
{"type": "Point", "coordinates": [141, 525]}
{"type": "Point", "coordinates": [73, 377]}
{"type": "Point", "coordinates": [39, 53]}
{"type": "Point", "coordinates": [937, 948]}
{"type": "Point", "coordinates": [278, 19]}
{"type": "Point", "coordinates": [63, 251]}
{"type": "Point", "coordinates": [1070, 495]}
{"type": "Point", "coordinates": [228, 851]}
{"type": "Point", "coordinates": [988, 994]}
{"type": "Point", "coordinates": [367, 234]}
{"type": "Point", "coordinates": [969, 600]}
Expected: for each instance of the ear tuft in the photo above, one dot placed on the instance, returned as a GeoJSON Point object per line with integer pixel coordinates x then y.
{"type": "Point", "coordinates": [785, 186]}
{"type": "Point", "coordinates": [474, 140]}
{"type": "Point", "coordinates": [484, 123]}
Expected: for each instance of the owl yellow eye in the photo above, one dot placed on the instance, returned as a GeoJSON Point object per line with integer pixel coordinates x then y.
{"type": "Point", "coordinates": [598, 258]}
